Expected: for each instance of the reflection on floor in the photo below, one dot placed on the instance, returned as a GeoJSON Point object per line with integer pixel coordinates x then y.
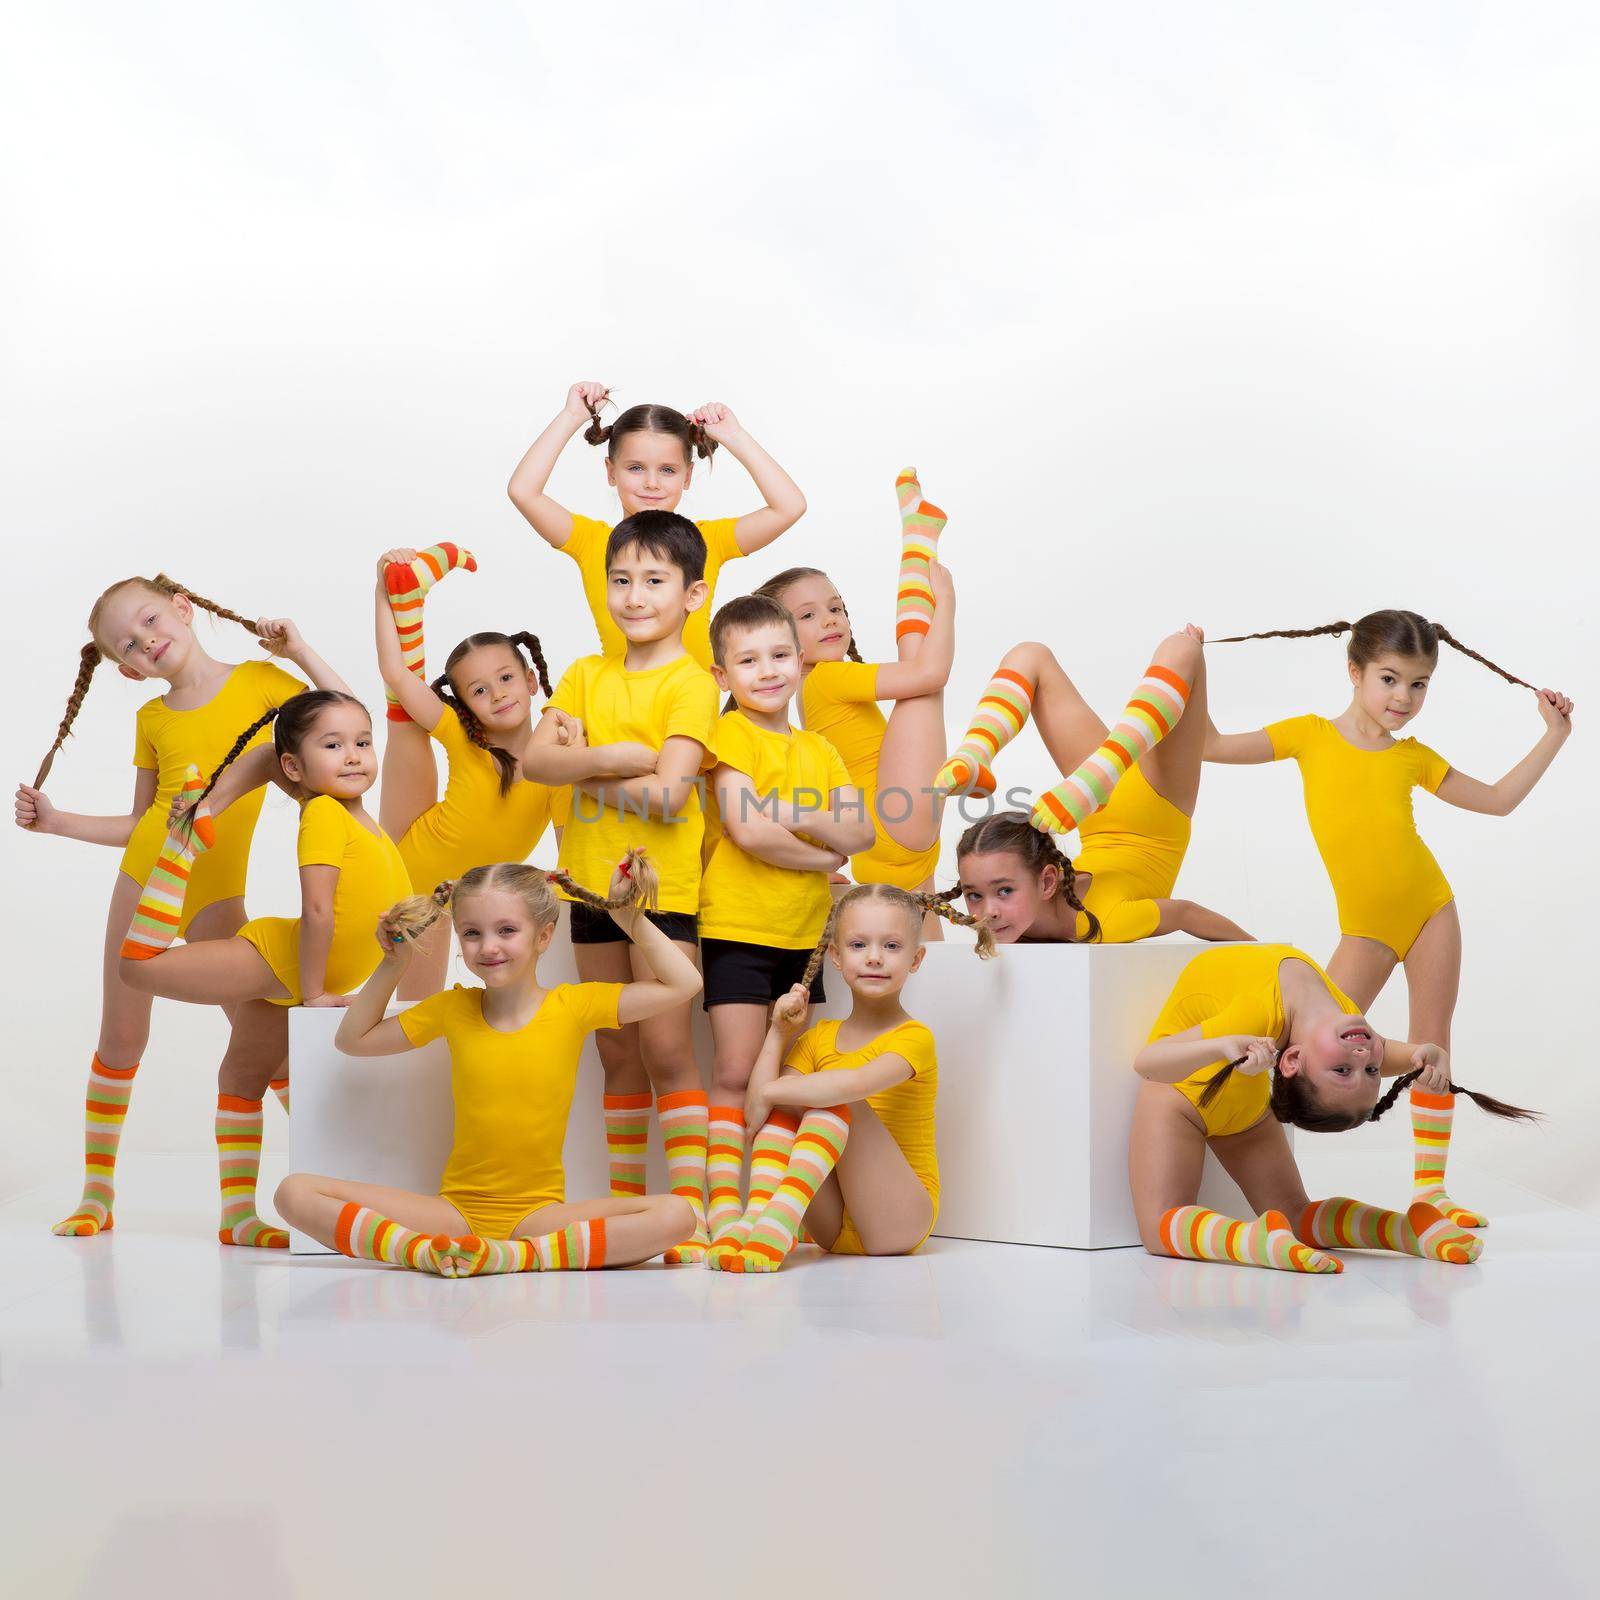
{"type": "Point", "coordinates": [178, 1418]}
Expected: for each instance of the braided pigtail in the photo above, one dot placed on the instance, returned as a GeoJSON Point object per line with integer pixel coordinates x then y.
{"type": "Point", "coordinates": [701, 442]}
{"type": "Point", "coordinates": [170, 586]}
{"type": "Point", "coordinates": [643, 891]}
{"type": "Point", "coordinates": [814, 960]}
{"type": "Point", "coordinates": [1455, 644]}
{"type": "Point", "coordinates": [939, 906]}
{"type": "Point", "coordinates": [505, 763]}
{"type": "Point", "coordinates": [1333, 628]}
{"type": "Point", "coordinates": [1293, 1102]}
{"type": "Point", "coordinates": [1218, 1078]}
{"type": "Point", "coordinates": [410, 919]}
{"type": "Point", "coordinates": [88, 659]}
{"type": "Point", "coordinates": [597, 432]}
{"type": "Point", "coordinates": [530, 643]}
{"type": "Point", "coordinates": [235, 750]}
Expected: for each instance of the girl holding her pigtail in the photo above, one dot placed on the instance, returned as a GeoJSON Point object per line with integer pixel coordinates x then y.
{"type": "Point", "coordinates": [650, 457]}
{"type": "Point", "coordinates": [1395, 905]}
{"type": "Point", "coordinates": [844, 1110]}
{"type": "Point", "coordinates": [1252, 1037]}
{"type": "Point", "coordinates": [514, 1047]}
{"type": "Point", "coordinates": [145, 627]}
{"type": "Point", "coordinates": [480, 709]}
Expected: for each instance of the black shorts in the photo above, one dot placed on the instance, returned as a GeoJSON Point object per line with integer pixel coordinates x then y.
{"type": "Point", "coordinates": [739, 974]}
{"type": "Point", "coordinates": [593, 926]}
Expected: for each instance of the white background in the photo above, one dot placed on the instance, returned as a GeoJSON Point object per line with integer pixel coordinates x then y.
{"type": "Point", "coordinates": [1242, 314]}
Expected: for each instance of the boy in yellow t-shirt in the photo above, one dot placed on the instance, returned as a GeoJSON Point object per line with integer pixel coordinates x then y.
{"type": "Point", "coordinates": [648, 722]}
{"type": "Point", "coordinates": [784, 815]}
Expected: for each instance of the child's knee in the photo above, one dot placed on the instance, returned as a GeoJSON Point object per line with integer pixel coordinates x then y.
{"type": "Point", "coordinates": [289, 1194]}
{"type": "Point", "coordinates": [677, 1217]}
{"type": "Point", "coordinates": [1030, 657]}
{"type": "Point", "coordinates": [1181, 652]}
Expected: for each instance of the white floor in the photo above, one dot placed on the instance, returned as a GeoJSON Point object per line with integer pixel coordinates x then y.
{"type": "Point", "coordinates": [181, 1419]}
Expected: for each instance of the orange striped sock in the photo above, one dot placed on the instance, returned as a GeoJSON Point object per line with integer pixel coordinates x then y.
{"type": "Point", "coordinates": [280, 1087]}
{"type": "Point", "coordinates": [160, 909]}
{"type": "Point", "coordinates": [1202, 1235]}
{"type": "Point", "coordinates": [769, 1160]}
{"type": "Point", "coordinates": [683, 1118]}
{"type": "Point", "coordinates": [817, 1148]}
{"type": "Point", "coordinates": [1422, 1231]}
{"type": "Point", "coordinates": [1431, 1116]}
{"type": "Point", "coordinates": [408, 584]}
{"type": "Point", "coordinates": [578, 1248]}
{"type": "Point", "coordinates": [368, 1236]}
{"type": "Point", "coordinates": [1000, 716]}
{"type": "Point", "coordinates": [921, 523]}
{"type": "Point", "coordinates": [1148, 718]}
{"type": "Point", "coordinates": [724, 1168]}
{"type": "Point", "coordinates": [627, 1118]}
{"type": "Point", "coordinates": [238, 1165]}
{"type": "Point", "coordinates": [105, 1109]}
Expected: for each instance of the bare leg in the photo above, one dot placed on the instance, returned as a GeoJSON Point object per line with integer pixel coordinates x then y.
{"type": "Point", "coordinates": [1361, 967]}
{"type": "Point", "coordinates": [256, 1051]}
{"type": "Point", "coordinates": [410, 781]}
{"type": "Point", "coordinates": [215, 973]}
{"type": "Point", "coordinates": [1173, 767]}
{"type": "Point", "coordinates": [890, 1208]}
{"type": "Point", "coordinates": [638, 1227]}
{"type": "Point", "coordinates": [1166, 1157]}
{"type": "Point", "coordinates": [737, 1033]}
{"type": "Point", "coordinates": [1070, 727]}
{"type": "Point", "coordinates": [666, 1042]}
{"type": "Point", "coordinates": [913, 746]}
{"type": "Point", "coordinates": [313, 1204]}
{"type": "Point", "coordinates": [618, 1048]}
{"type": "Point", "coordinates": [1260, 1161]}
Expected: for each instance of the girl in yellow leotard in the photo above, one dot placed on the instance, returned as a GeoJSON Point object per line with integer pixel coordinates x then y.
{"type": "Point", "coordinates": [1395, 905]}
{"type": "Point", "coordinates": [146, 627]}
{"type": "Point", "coordinates": [480, 709]}
{"type": "Point", "coordinates": [1251, 1037]}
{"type": "Point", "coordinates": [892, 761]}
{"type": "Point", "coordinates": [1120, 887]}
{"type": "Point", "coordinates": [650, 457]}
{"type": "Point", "coordinates": [502, 1203]}
{"type": "Point", "coordinates": [350, 872]}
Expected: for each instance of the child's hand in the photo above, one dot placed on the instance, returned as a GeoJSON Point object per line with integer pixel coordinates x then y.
{"type": "Point", "coordinates": [178, 812]}
{"type": "Point", "coordinates": [397, 948]}
{"type": "Point", "coordinates": [941, 582]}
{"type": "Point", "coordinates": [622, 883]}
{"type": "Point", "coordinates": [582, 397]}
{"type": "Point", "coordinates": [402, 555]}
{"type": "Point", "coordinates": [569, 730]}
{"type": "Point", "coordinates": [1197, 634]}
{"type": "Point", "coordinates": [279, 636]}
{"type": "Point", "coordinates": [789, 1010]}
{"type": "Point", "coordinates": [1434, 1065]}
{"type": "Point", "coordinates": [757, 1108]}
{"type": "Point", "coordinates": [325, 1002]}
{"type": "Point", "coordinates": [1556, 709]}
{"type": "Point", "coordinates": [1259, 1054]}
{"type": "Point", "coordinates": [34, 811]}
{"type": "Point", "coordinates": [716, 420]}
{"type": "Point", "coordinates": [627, 759]}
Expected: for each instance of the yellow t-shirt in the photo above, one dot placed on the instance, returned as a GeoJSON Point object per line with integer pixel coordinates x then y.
{"type": "Point", "coordinates": [906, 1110]}
{"type": "Point", "coordinates": [1227, 991]}
{"type": "Point", "coordinates": [741, 896]}
{"type": "Point", "coordinates": [167, 741]}
{"type": "Point", "coordinates": [475, 825]}
{"type": "Point", "coordinates": [372, 877]}
{"type": "Point", "coordinates": [677, 700]}
{"type": "Point", "coordinates": [512, 1094]}
{"type": "Point", "coordinates": [587, 546]}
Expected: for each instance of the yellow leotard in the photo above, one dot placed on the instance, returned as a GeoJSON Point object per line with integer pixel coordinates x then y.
{"type": "Point", "coordinates": [617, 706]}
{"type": "Point", "coordinates": [1358, 802]}
{"type": "Point", "coordinates": [747, 899]}
{"type": "Point", "coordinates": [474, 825]}
{"type": "Point", "coordinates": [512, 1094]}
{"type": "Point", "coordinates": [839, 700]}
{"type": "Point", "coordinates": [372, 877]}
{"type": "Point", "coordinates": [587, 546]}
{"type": "Point", "coordinates": [906, 1109]}
{"type": "Point", "coordinates": [167, 741]}
{"type": "Point", "coordinates": [1133, 847]}
{"type": "Point", "coordinates": [1230, 990]}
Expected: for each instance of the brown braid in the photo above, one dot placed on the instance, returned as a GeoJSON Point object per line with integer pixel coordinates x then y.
{"type": "Point", "coordinates": [169, 587]}
{"type": "Point", "coordinates": [914, 905]}
{"type": "Point", "coordinates": [88, 659]}
{"type": "Point", "coordinates": [1455, 644]}
{"type": "Point", "coordinates": [773, 589]}
{"type": "Point", "coordinates": [505, 762]}
{"type": "Point", "coordinates": [1011, 833]}
{"type": "Point", "coordinates": [1334, 628]}
{"type": "Point", "coordinates": [644, 890]}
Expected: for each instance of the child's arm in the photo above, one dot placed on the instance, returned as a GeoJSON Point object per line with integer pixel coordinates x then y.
{"type": "Point", "coordinates": [806, 1089]}
{"type": "Point", "coordinates": [362, 1029]}
{"type": "Point", "coordinates": [1502, 798]}
{"type": "Point", "coordinates": [658, 794]}
{"type": "Point", "coordinates": [317, 884]}
{"type": "Point", "coordinates": [674, 980]}
{"type": "Point", "coordinates": [554, 758]}
{"type": "Point", "coordinates": [841, 823]}
{"type": "Point", "coordinates": [280, 637]}
{"type": "Point", "coordinates": [1174, 1059]}
{"type": "Point", "coordinates": [1428, 1059]}
{"type": "Point", "coordinates": [929, 670]}
{"type": "Point", "coordinates": [785, 505]}
{"type": "Point", "coordinates": [787, 1024]}
{"type": "Point", "coordinates": [1237, 749]}
{"type": "Point", "coordinates": [1185, 916]}
{"type": "Point", "coordinates": [751, 823]}
{"type": "Point", "coordinates": [417, 700]}
{"type": "Point", "coordinates": [38, 815]}
{"type": "Point", "coordinates": [550, 520]}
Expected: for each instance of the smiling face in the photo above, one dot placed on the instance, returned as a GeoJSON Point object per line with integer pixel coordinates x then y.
{"type": "Point", "coordinates": [649, 471]}
{"type": "Point", "coordinates": [647, 596]}
{"type": "Point", "coordinates": [335, 756]}
{"type": "Point", "coordinates": [1391, 688]}
{"type": "Point", "coordinates": [1340, 1058]}
{"type": "Point", "coordinates": [148, 634]}
{"type": "Point", "coordinates": [760, 667]}
{"type": "Point", "coordinates": [819, 619]}
{"type": "Point", "coordinates": [500, 939]}
{"type": "Point", "coordinates": [876, 947]}
{"type": "Point", "coordinates": [999, 885]}
{"type": "Point", "coordinates": [496, 687]}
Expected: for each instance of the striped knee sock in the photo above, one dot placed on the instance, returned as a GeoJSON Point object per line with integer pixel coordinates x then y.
{"type": "Point", "coordinates": [627, 1118]}
{"type": "Point", "coordinates": [1431, 1115]}
{"type": "Point", "coordinates": [1149, 717]}
{"type": "Point", "coordinates": [104, 1109]}
{"type": "Point", "coordinates": [817, 1148]}
{"type": "Point", "coordinates": [920, 526]}
{"type": "Point", "coordinates": [408, 584]}
{"type": "Point", "coordinates": [160, 909]}
{"type": "Point", "coordinates": [769, 1160]}
{"type": "Point", "coordinates": [1422, 1231]}
{"type": "Point", "coordinates": [1002, 711]}
{"type": "Point", "coordinates": [238, 1163]}
{"type": "Point", "coordinates": [1203, 1235]}
{"type": "Point", "coordinates": [280, 1087]}
{"type": "Point", "coordinates": [683, 1119]}
{"type": "Point", "coordinates": [724, 1168]}
{"type": "Point", "coordinates": [579, 1248]}
{"type": "Point", "coordinates": [368, 1236]}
